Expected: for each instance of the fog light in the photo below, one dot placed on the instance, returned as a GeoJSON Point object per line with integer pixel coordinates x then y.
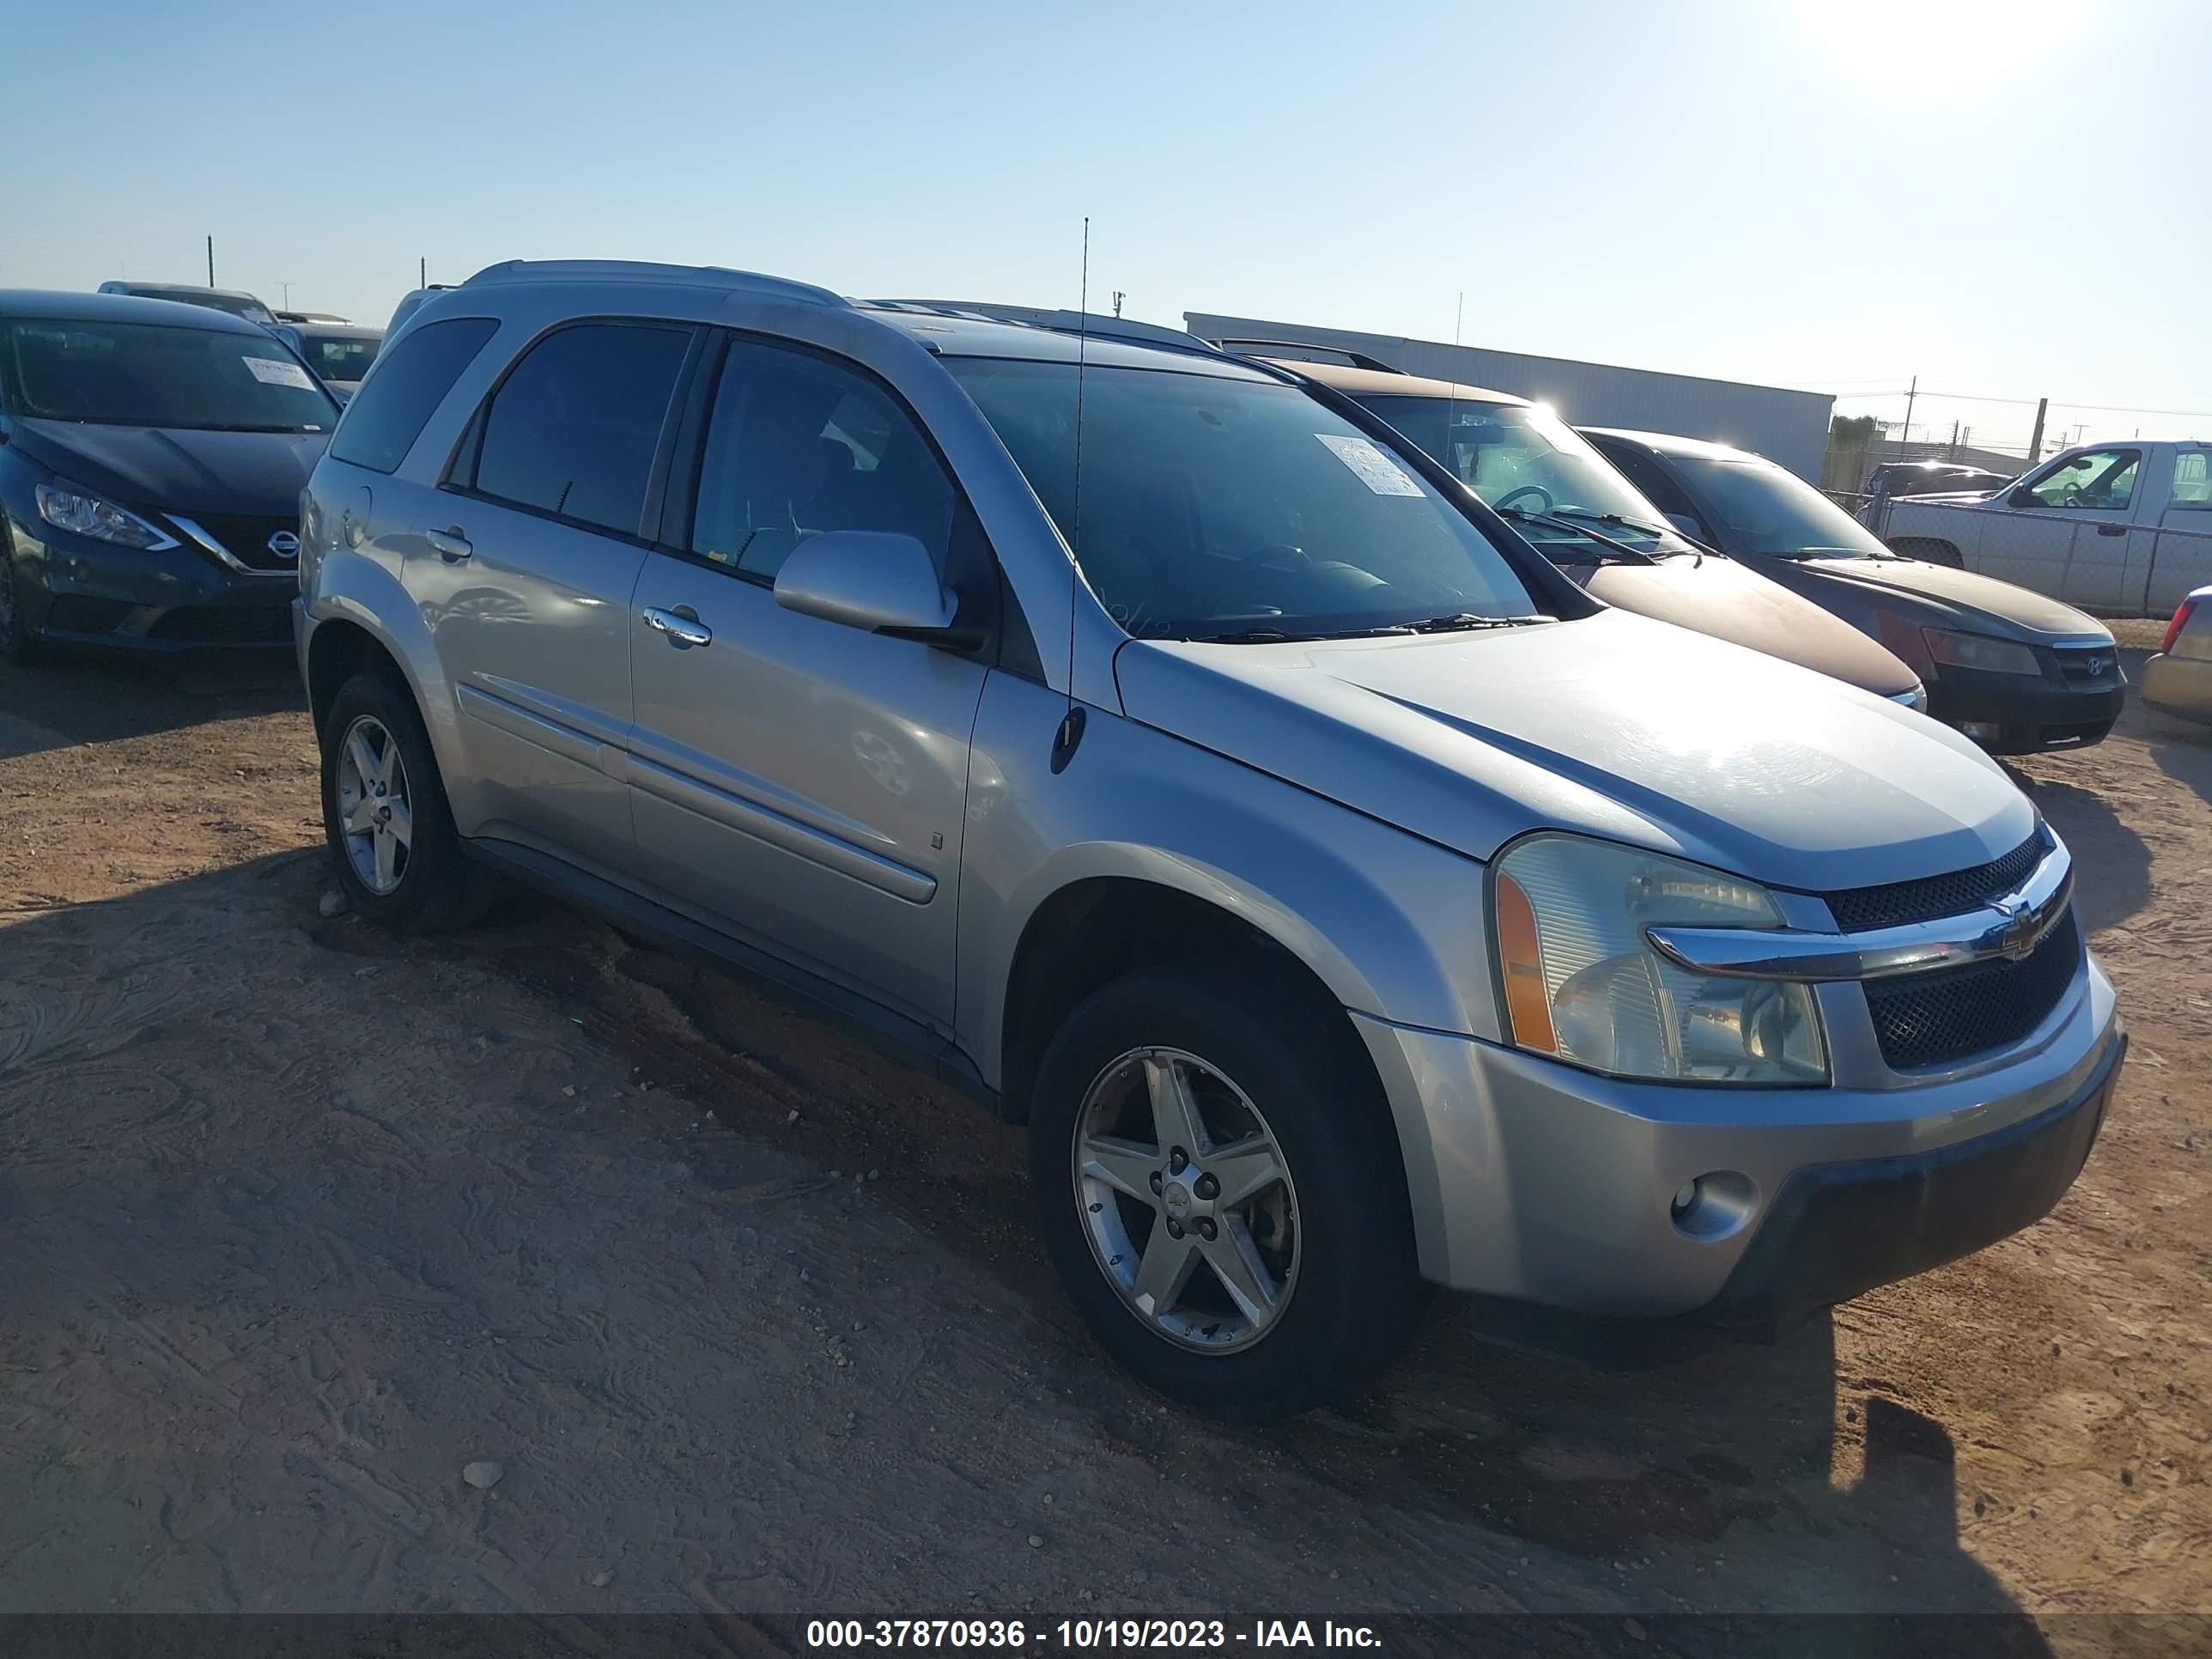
{"type": "Point", "coordinates": [1714, 1206]}
{"type": "Point", "coordinates": [1982, 730]}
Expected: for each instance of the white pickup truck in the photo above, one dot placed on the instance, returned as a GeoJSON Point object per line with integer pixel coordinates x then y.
{"type": "Point", "coordinates": [2123, 529]}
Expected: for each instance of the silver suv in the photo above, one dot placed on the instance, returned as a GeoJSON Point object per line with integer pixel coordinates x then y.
{"type": "Point", "coordinates": [1169, 754]}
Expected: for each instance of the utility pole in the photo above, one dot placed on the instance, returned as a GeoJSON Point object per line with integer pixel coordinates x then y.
{"type": "Point", "coordinates": [210, 261]}
{"type": "Point", "coordinates": [1118, 297]}
{"type": "Point", "coordinates": [2035, 443]}
{"type": "Point", "coordinates": [1904, 438]}
{"type": "Point", "coordinates": [1954, 439]}
{"type": "Point", "coordinates": [422, 271]}
{"type": "Point", "coordinates": [286, 287]}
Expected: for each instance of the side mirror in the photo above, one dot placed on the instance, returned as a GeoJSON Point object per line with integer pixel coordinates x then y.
{"type": "Point", "coordinates": [2020, 496]}
{"type": "Point", "coordinates": [1688, 525]}
{"type": "Point", "coordinates": [877, 581]}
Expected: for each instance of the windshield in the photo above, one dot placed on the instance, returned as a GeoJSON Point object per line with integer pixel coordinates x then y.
{"type": "Point", "coordinates": [1217, 507]}
{"type": "Point", "coordinates": [1767, 510]}
{"type": "Point", "coordinates": [154, 374]}
{"type": "Point", "coordinates": [1521, 457]}
{"type": "Point", "coordinates": [337, 359]}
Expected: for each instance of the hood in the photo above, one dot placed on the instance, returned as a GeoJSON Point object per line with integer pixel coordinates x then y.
{"type": "Point", "coordinates": [2016, 611]}
{"type": "Point", "coordinates": [179, 471]}
{"type": "Point", "coordinates": [1614, 726]}
{"type": "Point", "coordinates": [1718, 597]}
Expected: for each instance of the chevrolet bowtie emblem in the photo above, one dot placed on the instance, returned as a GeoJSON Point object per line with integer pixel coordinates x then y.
{"type": "Point", "coordinates": [2020, 930]}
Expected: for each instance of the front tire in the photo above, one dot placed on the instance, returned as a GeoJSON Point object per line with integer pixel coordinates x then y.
{"type": "Point", "coordinates": [1221, 1191]}
{"type": "Point", "coordinates": [390, 831]}
{"type": "Point", "coordinates": [19, 647]}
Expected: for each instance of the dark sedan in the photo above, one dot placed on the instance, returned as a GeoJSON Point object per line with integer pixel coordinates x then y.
{"type": "Point", "coordinates": [151, 459]}
{"type": "Point", "coordinates": [2015, 671]}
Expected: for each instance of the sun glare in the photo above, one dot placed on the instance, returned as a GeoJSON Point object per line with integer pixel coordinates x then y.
{"type": "Point", "coordinates": [1939, 45]}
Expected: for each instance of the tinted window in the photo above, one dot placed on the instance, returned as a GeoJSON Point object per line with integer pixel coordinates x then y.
{"type": "Point", "coordinates": [798, 445]}
{"type": "Point", "coordinates": [1767, 510]}
{"type": "Point", "coordinates": [1649, 478]}
{"type": "Point", "coordinates": [2103, 480]}
{"type": "Point", "coordinates": [153, 375]}
{"type": "Point", "coordinates": [571, 429]}
{"type": "Point", "coordinates": [410, 380]}
{"type": "Point", "coordinates": [1214, 505]}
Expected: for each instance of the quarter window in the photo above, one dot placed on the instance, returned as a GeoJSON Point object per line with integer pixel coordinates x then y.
{"type": "Point", "coordinates": [404, 389]}
{"type": "Point", "coordinates": [797, 445]}
{"type": "Point", "coordinates": [2101, 480]}
{"type": "Point", "coordinates": [572, 430]}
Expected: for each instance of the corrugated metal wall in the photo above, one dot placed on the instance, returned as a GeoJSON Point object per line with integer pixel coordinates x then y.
{"type": "Point", "coordinates": [1791, 428]}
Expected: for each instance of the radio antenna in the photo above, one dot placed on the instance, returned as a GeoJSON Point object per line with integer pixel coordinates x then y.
{"type": "Point", "coordinates": [1070, 725]}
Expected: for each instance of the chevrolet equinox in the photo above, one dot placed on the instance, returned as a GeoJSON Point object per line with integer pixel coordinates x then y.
{"type": "Point", "coordinates": [1164, 750]}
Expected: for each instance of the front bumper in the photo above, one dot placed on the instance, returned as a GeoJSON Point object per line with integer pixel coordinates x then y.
{"type": "Point", "coordinates": [2027, 713]}
{"type": "Point", "coordinates": [84, 591]}
{"type": "Point", "coordinates": [1545, 1188]}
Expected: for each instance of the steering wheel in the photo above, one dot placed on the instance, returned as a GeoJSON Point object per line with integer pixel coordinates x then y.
{"type": "Point", "coordinates": [1513, 495]}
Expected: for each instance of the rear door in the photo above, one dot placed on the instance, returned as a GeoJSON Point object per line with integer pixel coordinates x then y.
{"type": "Point", "coordinates": [2181, 544]}
{"type": "Point", "coordinates": [525, 576]}
{"type": "Point", "coordinates": [800, 784]}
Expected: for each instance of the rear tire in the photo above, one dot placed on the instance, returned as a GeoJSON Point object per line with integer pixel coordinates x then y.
{"type": "Point", "coordinates": [389, 830]}
{"type": "Point", "coordinates": [1330, 1240]}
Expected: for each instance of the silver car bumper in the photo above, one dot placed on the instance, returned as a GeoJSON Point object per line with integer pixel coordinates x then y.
{"type": "Point", "coordinates": [1540, 1182]}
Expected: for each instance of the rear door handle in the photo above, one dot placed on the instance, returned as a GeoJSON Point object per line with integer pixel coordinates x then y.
{"type": "Point", "coordinates": [2111, 530]}
{"type": "Point", "coordinates": [683, 631]}
{"type": "Point", "coordinates": [449, 543]}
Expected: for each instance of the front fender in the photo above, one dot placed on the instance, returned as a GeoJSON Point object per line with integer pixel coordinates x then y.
{"type": "Point", "coordinates": [1391, 924]}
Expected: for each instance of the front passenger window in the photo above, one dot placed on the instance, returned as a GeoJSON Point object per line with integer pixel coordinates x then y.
{"type": "Point", "coordinates": [797, 445]}
{"type": "Point", "coordinates": [2101, 480]}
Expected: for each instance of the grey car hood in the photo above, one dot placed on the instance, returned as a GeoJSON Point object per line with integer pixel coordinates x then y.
{"type": "Point", "coordinates": [1614, 725]}
{"type": "Point", "coordinates": [1983, 603]}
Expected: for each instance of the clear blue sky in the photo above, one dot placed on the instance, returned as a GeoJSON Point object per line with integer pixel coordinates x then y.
{"type": "Point", "coordinates": [2009, 200]}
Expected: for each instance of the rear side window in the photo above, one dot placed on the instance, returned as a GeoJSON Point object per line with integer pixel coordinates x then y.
{"type": "Point", "coordinates": [572, 430]}
{"type": "Point", "coordinates": [409, 383]}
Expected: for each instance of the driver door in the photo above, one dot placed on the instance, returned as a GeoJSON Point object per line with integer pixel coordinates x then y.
{"type": "Point", "coordinates": [2070, 539]}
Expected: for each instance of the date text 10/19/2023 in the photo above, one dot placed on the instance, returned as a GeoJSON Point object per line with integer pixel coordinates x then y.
{"type": "Point", "coordinates": [1085, 1634]}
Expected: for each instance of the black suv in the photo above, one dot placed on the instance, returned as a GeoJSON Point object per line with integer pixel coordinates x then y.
{"type": "Point", "coordinates": [151, 458]}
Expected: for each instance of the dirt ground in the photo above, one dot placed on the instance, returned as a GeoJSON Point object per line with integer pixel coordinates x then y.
{"type": "Point", "coordinates": [298, 1221]}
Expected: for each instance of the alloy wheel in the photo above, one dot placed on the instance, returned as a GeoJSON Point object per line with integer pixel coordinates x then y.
{"type": "Point", "coordinates": [373, 806]}
{"type": "Point", "coordinates": [1186, 1199]}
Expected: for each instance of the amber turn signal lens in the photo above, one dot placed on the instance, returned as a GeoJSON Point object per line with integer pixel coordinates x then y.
{"type": "Point", "coordinates": [1528, 1005]}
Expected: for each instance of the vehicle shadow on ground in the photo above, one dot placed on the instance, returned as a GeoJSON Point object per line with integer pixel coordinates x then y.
{"type": "Point", "coordinates": [2112, 864]}
{"type": "Point", "coordinates": [2184, 752]}
{"type": "Point", "coordinates": [92, 698]}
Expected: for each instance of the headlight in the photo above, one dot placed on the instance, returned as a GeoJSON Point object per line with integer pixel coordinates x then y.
{"type": "Point", "coordinates": [1582, 983]}
{"type": "Point", "coordinates": [1977, 651]}
{"type": "Point", "coordinates": [82, 514]}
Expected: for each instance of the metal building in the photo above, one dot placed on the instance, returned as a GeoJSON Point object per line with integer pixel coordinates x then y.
{"type": "Point", "coordinates": [1788, 426]}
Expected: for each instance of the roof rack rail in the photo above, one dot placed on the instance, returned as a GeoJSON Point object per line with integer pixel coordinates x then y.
{"type": "Point", "coordinates": [1093, 323]}
{"type": "Point", "coordinates": [1354, 359]}
{"type": "Point", "coordinates": [636, 271]}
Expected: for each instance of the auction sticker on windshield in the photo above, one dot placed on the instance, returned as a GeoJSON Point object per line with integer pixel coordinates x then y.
{"type": "Point", "coordinates": [270, 372]}
{"type": "Point", "coordinates": [1370, 465]}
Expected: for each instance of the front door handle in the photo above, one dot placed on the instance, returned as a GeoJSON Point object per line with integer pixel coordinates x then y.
{"type": "Point", "coordinates": [2111, 530]}
{"type": "Point", "coordinates": [449, 543]}
{"type": "Point", "coordinates": [683, 631]}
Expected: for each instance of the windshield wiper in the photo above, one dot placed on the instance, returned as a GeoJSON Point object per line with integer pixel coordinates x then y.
{"type": "Point", "coordinates": [248, 426]}
{"type": "Point", "coordinates": [1277, 636]}
{"type": "Point", "coordinates": [1624, 553]}
{"type": "Point", "coordinates": [1625, 522]}
{"type": "Point", "coordinates": [1466, 619]}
